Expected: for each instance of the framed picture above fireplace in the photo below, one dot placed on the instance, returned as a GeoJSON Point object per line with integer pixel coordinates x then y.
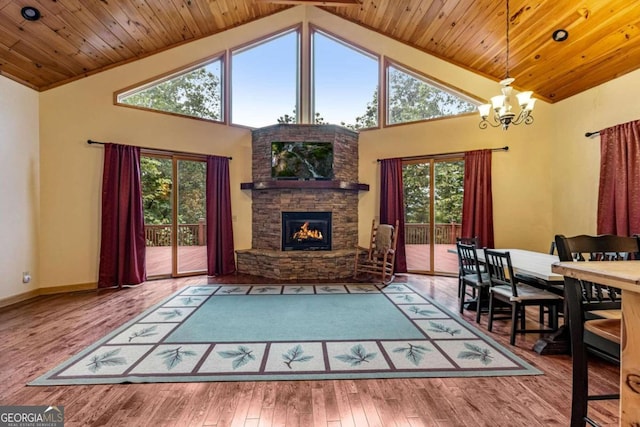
{"type": "Point", "coordinates": [302, 160]}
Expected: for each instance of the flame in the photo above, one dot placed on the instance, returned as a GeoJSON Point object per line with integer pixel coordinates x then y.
{"type": "Point", "coordinates": [304, 233]}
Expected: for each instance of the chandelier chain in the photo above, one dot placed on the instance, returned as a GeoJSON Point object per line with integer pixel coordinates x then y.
{"type": "Point", "coordinates": [507, 19]}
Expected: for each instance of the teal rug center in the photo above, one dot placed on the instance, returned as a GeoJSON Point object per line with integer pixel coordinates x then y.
{"type": "Point", "coordinates": [235, 318]}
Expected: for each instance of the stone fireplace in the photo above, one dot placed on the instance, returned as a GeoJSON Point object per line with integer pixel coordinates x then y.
{"type": "Point", "coordinates": [273, 200]}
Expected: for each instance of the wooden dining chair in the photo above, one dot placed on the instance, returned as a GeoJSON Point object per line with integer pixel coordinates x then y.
{"type": "Point", "coordinates": [472, 275]}
{"type": "Point", "coordinates": [467, 241]}
{"type": "Point", "coordinates": [506, 288]}
{"type": "Point", "coordinates": [592, 313]}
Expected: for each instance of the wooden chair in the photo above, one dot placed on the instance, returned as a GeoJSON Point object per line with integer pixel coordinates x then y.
{"type": "Point", "coordinates": [467, 241]}
{"type": "Point", "coordinates": [472, 275]}
{"type": "Point", "coordinates": [380, 257]}
{"type": "Point", "coordinates": [506, 288]}
{"type": "Point", "coordinates": [592, 313]}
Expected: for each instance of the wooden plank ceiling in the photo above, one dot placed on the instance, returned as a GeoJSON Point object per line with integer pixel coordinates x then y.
{"type": "Point", "coordinates": [75, 38]}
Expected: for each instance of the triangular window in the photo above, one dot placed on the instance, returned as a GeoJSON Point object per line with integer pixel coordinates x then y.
{"type": "Point", "coordinates": [194, 92]}
{"type": "Point", "coordinates": [412, 97]}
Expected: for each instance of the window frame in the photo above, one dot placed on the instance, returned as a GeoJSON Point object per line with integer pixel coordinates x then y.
{"type": "Point", "coordinates": [164, 77]}
{"type": "Point", "coordinates": [428, 80]}
{"type": "Point", "coordinates": [257, 42]}
{"type": "Point", "coordinates": [379, 58]}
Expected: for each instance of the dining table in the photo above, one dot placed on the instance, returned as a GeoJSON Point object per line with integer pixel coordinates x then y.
{"type": "Point", "coordinates": [626, 277]}
{"type": "Point", "coordinates": [537, 265]}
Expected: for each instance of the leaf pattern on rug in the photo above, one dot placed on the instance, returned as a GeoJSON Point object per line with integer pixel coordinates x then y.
{"type": "Point", "coordinates": [106, 359]}
{"type": "Point", "coordinates": [264, 289]}
{"type": "Point", "coordinates": [201, 290]}
{"type": "Point", "coordinates": [173, 356]}
{"type": "Point", "coordinates": [475, 352]}
{"type": "Point", "coordinates": [144, 332]}
{"type": "Point", "coordinates": [329, 289]}
{"type": "Point", "coordinates": [297, 290]}
{"type": "Point", "coordinates": [295, 354]}
{"type": "Point", "coordinates": [407, 298]}
{"type": "Point", "coordinates": [232, 290]}
{"type": "Point", "coordinates": [167, 315]}
{"type": "Point", "coordinates": [439, 327]}
{"type": "Point", "coordinates": [421, 311]}
{"type": "Point", "coordinates": [358, 356]}
{"type": "Point", "coordinates": [364, 289]}
{"type": "Point", "coordinates": [190, 300]}
{"type": "Point", "coordinates": [240, 357]}
{"type": "Point", "coordinates": [395, 288]}
{"type": "Point", "coordinates": [415, 353]}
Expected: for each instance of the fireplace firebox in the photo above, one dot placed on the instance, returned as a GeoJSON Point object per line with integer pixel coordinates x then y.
{"type": "Point", "coordinates": [306, 231]}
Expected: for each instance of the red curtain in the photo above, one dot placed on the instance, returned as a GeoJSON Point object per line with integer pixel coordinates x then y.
{"type": "Point", "coordinates": [220, 249]}
{"type": "Point", "coordinates": [477, 204]}
{"type": "Point", "coordinates": [392, 205]}
{"type": "Point", "coordinates": [122, 245]}
{"type": "Point", "coordinates": [619, 190]}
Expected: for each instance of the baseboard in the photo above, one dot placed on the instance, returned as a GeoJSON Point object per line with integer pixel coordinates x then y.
{"type": "Point", "coordinates": [4, 302]}
{"type": "Point", "coordinates": [68, 288]}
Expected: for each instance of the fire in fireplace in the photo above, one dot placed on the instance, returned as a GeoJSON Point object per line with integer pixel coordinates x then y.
{"type": "Point", "coordinates": [306, 231]}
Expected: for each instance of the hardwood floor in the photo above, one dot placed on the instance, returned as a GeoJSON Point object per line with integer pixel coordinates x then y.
{"type": "Point", "coordinates": [39, 334]}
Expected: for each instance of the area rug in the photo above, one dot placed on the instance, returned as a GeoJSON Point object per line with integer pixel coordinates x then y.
{"type": "Point", "coordinates": [290, 332]}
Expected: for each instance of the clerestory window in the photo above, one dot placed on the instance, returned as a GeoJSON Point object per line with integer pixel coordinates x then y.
{"type": "Point", "coordinates": [266, 86]}
{"type": "Point", "coordinates": [412, 97]}
{"type": "Point", "coordinates": [196, 92]}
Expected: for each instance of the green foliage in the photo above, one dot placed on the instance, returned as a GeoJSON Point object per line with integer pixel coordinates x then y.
{"type": "Point", "coordinates": [195, 94]}
{"type": "Point", "coordinates": [156, 189]}
{"type": "Point", "coordinates": [192, 193]}
{"type": "Point", "coordinates": [449, 181]}
{"type": "Point", "coordinates": [412, 99]}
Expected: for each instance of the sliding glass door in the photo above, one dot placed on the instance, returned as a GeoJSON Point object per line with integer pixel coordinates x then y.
{"type": "Point", "coordinates": [433, 189]}
{"type": "Point", "coordinates": [173, 194]}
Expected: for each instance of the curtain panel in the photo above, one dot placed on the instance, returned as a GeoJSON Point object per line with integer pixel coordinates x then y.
{"type": "Point", "coordinates": [392, 205]}
{"type": "Point", "coordinates": [220, 248]}
{"type": "Point", "coordinates": [619, 187]}
{"type": "Point", "coordinates": [122, 244]}
{"type": "Point", "coordinates": [477, 204]}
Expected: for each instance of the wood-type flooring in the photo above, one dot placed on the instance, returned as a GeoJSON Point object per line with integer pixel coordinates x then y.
{"type": "Point", "coordinates": [39, 334]}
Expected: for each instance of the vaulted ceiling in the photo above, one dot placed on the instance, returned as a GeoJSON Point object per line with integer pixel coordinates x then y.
{"type": "Point", "coordinates": [75, 38]}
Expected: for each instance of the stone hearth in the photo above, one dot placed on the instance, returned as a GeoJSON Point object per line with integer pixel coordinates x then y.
{"type": "Point", "coordinates": [270, 197]}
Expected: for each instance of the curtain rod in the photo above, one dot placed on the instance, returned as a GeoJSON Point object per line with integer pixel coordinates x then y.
{"type": "Point", "coordinates": [590, 134]}
{"type": "Point", "coordinates": [505, 148]}
{"type": "Point", "coordinates": [89, 141]}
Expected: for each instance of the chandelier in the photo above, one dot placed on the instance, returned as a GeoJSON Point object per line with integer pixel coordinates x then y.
{"type": "Point", "coordinates": [500, 111]}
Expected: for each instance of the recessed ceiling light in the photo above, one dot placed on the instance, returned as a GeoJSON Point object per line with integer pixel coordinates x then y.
{"type": "Point", "coordinates": [560, 35]}
{"type": "Point", "coordinates": [30, 13]}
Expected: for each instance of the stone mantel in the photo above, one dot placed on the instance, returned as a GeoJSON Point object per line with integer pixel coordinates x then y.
{"type": "Point", "coordinates": [304, 184]}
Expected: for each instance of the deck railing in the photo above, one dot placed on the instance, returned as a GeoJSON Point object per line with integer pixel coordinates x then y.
{"type": "Point", "coordinates": [188, 234]}
{"type": "Point", "coordinates": [418, 234]}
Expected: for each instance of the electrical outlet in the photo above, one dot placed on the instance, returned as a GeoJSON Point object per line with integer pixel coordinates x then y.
{"type": "Point", "coordinates": [26, 277]}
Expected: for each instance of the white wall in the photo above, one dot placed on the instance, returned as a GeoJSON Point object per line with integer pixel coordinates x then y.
{"type": "Point", "coordinates": [19, 187]}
